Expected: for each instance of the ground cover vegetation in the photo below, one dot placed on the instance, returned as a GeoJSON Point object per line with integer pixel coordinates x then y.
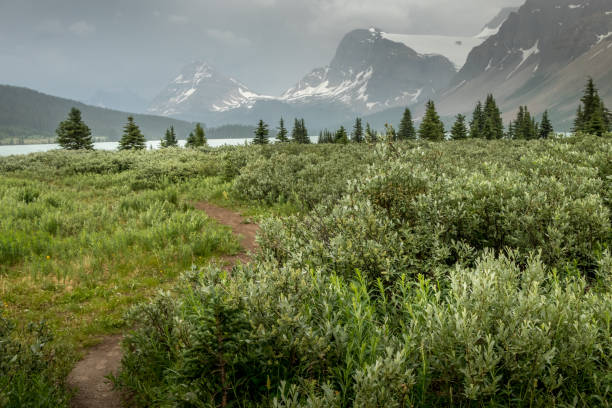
{"type": "Point", "coordinates": [466, 273]}
{"type": "Point", "coordinates": [397, 272]}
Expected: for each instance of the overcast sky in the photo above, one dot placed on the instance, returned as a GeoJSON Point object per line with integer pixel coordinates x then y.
{"type": "Point", "coordinates": [73, 48]}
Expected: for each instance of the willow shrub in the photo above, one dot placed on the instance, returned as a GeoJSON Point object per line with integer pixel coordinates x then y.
{"type": "Point", "coordinates": [495, 334]}
{"type": "Point", "coordinates": [457, 274]}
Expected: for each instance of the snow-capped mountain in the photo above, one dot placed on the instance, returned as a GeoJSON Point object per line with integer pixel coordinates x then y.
{"type": "Point", "coordinates": [201, 88]}
{"type": "Point", "coordinates": [541, 56]}
{"type": "Point", "coordinates": [370, 73]}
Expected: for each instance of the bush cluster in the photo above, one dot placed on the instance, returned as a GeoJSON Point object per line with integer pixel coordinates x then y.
{"type": "Point", "coordinates": [469, 273]}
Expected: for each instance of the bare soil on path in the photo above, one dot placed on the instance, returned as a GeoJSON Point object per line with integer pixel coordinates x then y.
{"type": "Point", "coordinates": [88, 378]}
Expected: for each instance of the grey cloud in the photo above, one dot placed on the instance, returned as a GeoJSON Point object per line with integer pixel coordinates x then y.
{"type": "Point", "coordinates": [142, 44]}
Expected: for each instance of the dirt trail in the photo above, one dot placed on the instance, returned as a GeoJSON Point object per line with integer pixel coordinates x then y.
{"type": "Point", "coordinates": [88, 378]}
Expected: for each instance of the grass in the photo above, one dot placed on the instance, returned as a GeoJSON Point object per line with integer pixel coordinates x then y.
{"type": "Point", "coordinates": [78, 251]}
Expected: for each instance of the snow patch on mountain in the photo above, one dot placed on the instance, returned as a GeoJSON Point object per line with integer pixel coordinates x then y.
{"type": "Point", "coordinates": [525, 56]}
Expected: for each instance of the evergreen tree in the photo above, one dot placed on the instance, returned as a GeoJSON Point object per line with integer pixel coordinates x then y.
{"type": "Point", "coordinates": [525, 126]}
{"type": "Point", "coordinates": [300, 133]}
{"type": "Point", "coordinates": [132, 138]}
{"type": "Point", "coordinates": [341, 136]}
{"type": "Point", "coordinates": [432, 127]}
{"type": "Point", "coordinates": [494, 125]}
{"type": "Point", "coordinates": [478, 122]}
{"type": "Point", "coordinates": [73, 133]}
{"type": "Point", "coordinates": [169, 139]}
{"type": "Point", "coordinates": [592, 116]}
{"type": "Point", "coordinates": [459, 130]}
{"type": "Point", "coordinates": [406, 128]}
{"type": "Point", "coordinates": [261, 134]}
{"type": "Point", "coordinates": [579, 121]}
{"type": "Point", "coordinates": [197, 138]}
{"type": "Point", "coordinates": [370, 134]}
{"type": "Point", "coordinates": [282, 132]}
{"type": "Point", "coordinates": [546, 128]}
{"type": "Point", "coordinates": [326, 136]}
{"type": "Point", "coordinates": [357, 135]}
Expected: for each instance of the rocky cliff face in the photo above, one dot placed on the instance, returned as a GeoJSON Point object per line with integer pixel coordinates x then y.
{"type": "Point", "coordinates": [370, 73]}
{"type": "Point", "coordinates": [547, 46]}
{"type": "Point", "coordinates": [199, 90]}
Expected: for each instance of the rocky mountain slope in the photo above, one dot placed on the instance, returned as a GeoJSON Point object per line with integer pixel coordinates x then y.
{"type": "Point", "coordinates": [199, 90]}
{"type": "Point", "coordinates": [540, 57]}
{"type": "Point", "coordinates": [370, 73]}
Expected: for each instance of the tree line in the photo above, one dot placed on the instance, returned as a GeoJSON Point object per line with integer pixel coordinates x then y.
{"type": "Point", "coordinates": [486, 123]}
{"type": "Point", "coordinates": [74, 134]}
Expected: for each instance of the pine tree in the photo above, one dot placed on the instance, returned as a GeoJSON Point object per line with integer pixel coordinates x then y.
{"type": "Point", "coordinates": [197, 138]}
{"type": "Point", "coordinates": [261, 134]}
{"type": "Point", "coordinates": [357, 135]}
{"type": "Point", "coordinates": [169, 139]}
{"type": "Point", "coordinates": [525, 127]}
{"type": "Point", "coordinates": [73, 133]}
{"type": "Point", "coordinates": [300, 133]}
{"type": "Point", "coordinates": [370, 134]}
{"type": "Point", "coordinates": [341, 136]}
{"type": "Point", "coordinates": [281, 137]}
{"type": "Point", "coordinates": [592, 116]}
{"type": "Point", "coordinates": [132, 138]}
{"type": "Point", "coordinates": [406, 128]}
{"type": "Point", "coordinates": [546, 128]}
{"type": "Point", "coordinates": [304, 136]}
{"type": "Point", "coordinates": [459, 130]}
{"type": "Point", "coordinates": [478, 122]}
{"type": "Point", "coordinates": [432, 127]}
{"type": "Point", "coordinates": [493, 123]}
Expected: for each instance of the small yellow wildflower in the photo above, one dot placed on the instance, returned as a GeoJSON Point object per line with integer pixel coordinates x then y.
{"type": "Point", "coordinates": [48, 256]}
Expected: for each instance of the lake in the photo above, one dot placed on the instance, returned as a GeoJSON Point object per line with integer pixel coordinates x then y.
{"type": "Point", "coordinates": [10, 150]}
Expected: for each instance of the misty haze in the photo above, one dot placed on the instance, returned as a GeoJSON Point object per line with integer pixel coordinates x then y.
{"type": "Point", "coordinates": [305, 203]}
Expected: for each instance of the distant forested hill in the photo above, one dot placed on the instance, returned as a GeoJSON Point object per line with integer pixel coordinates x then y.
{"type": "Point", "coordinates": [28, 116]}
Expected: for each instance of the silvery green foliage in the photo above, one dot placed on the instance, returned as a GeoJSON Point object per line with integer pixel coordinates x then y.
{"type": "Point", "coordinates": [471, 275]}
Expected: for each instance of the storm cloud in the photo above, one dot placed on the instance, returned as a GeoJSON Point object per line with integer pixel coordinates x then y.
{"type": "Point", "coordinates": [74, 48]}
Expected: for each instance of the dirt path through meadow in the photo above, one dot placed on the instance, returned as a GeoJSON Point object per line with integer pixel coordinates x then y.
{"type": "Point", "coordinates": [88, 378]}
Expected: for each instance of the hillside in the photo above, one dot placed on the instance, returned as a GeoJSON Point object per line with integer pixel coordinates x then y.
{"type": "Point", "coordinates": [29, 115]}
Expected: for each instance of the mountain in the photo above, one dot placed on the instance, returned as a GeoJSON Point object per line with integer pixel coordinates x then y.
{"type": "Point", "coordinates": [541, 57]}
{"type": "Point", "coordinates": [119, 99]}
{"type": "Point", "coordinates": [27, 114]}
{"type": "Point", "coordinates": [493, 26]}
{"type": "Point", "coordinates": [200, 90]}
{"type": "Point", "coordinates": [370, 73]}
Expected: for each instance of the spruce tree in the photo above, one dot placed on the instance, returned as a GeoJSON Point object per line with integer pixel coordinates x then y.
{"type": "Point", "coordinates": [525, 127]}
{"type": "Point", "coordinates": [546, 128]}
{"type": "Point", "coordinates": [459, 130]}
{"type": "Point", "coordinates": [300, 133]}
{"type": "Point", "coordinates": [370, 134]}
{"type": "Point", "coordinates": [132, 138]}
{"type": "Point", "coordinates": [73, 133]}
{"type": "Point", "coordinates": [579, 121]}
{"type": "Point", "coordinates": [592, 116]}
{"type": "Point", "coordinates": [281, 137]}
{"type": "Point", "coordinates": [341, 136]}
{"type": "Point", "coordinates": [169, 139]}
{"type": "Point", "coordinates": [432, 127]}
{"type": "Point", "coordinates": [357, 135]}
{"type": "Point", "coordinates": [261, 134]}
{"type": "Point", "coordinates": [493, 123]}
{"type": "Point", "coordinates": [406, 128]}
{"type": "Point", "coordinates": [197, 138]}
{"type": "Point", "coordinates": [478, 122]}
